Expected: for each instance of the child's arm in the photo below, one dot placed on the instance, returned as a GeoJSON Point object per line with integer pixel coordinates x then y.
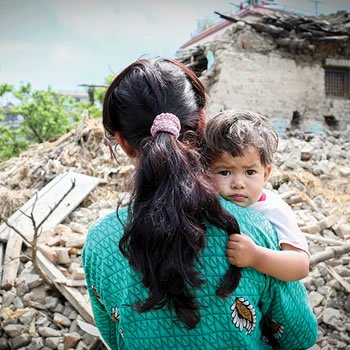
{"type": "Point", "coordinates": [288, 264]}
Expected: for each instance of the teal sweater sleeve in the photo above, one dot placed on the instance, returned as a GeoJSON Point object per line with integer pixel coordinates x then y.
{"type": "Point", "coordinates": [230, 323]}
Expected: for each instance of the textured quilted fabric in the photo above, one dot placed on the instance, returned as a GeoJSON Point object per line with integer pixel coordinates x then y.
{"type": "Point", "coordinates": [230, 323]}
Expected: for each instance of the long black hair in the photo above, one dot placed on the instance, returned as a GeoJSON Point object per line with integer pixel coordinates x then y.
{"type": "Point", "coordinates": [172, 197]}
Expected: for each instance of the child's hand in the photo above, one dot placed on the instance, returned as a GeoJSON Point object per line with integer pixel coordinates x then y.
{"type": "Point", "coordinates": [241, 250]}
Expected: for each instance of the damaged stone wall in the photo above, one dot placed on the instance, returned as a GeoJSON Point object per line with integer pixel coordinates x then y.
{"type": "Point", "coordinates": [274, 71]}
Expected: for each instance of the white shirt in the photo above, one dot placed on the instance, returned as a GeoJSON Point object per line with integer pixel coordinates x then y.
{"type": "Point", "coordinates": [282, 217]}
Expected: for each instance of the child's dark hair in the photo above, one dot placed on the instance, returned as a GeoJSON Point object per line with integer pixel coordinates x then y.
{"type": "Point", "coordinates": [233, 131]}
{"type": "Point", "coordinates": [172, 199]}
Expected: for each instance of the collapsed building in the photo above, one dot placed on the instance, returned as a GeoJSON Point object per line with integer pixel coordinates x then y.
{"type": "Point", "coordinates": [294, 69]}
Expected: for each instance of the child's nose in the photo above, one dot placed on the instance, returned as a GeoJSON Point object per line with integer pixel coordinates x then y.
{"type": "Point", "coordinates": [237, 182]}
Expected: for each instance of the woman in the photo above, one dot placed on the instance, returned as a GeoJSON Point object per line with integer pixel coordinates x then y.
{"type": "Point", "coordinates": [156, 271]}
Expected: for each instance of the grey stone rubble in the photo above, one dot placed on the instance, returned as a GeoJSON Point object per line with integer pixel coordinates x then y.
{"type": "Point", "coordinates": [311, 173]}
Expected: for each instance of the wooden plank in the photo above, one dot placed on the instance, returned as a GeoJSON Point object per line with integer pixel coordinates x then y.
{"type": "Point", "coordinates": [75, 298]}
{"type": "Point", "coordinates": [11, 261]}
{"type": "Point", "coordinates": [46, 199]}
{"type": "Point", "coordinates": [2, 248]}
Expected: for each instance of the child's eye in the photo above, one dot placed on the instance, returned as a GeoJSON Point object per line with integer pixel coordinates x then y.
{"type": "Point", "coordinates": [251, 172]}
{"type": "Point", "coordinates": [224, 172]}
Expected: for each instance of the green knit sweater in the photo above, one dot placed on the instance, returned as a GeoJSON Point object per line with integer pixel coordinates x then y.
{"type": "Point", "coordinates": [230, 323]}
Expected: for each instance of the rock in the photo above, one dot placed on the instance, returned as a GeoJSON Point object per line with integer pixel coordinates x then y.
{"type": "Point", "coordinates": [49, 332]}
{"type": "Point", "coordinates": [28, 316]}
{"type": "Point", "coordinates": [330, 316]}
{"type": "Point", "coordinates": [315, 347]}
{"type": "Point", "coordinates": [315, 298]}
{"type": "Point", "coordinates": [42, 321]}
{"type": "Point", "coordinates": [62, 255]}
{"type": "Point", "coordinates": [22, 288]}
{"type": "Point", "coordinates": [342, 230]}
{"type": "Point", "coordinates": [49, 252]}
{"type": "Point", "coordinates": [36, 344]}
{"type": "Point", "coordinates": [73, 315]}
{"type": "Point", "coordinates": [20, 341]}
{"type": "Point", "coordinates": [77, 227]}
{"type": "Point", "coordinates": [311, 229]}
{"type": "Point", "coordinates": [307, 281]}
{"type": "Point", "coordinates": [74, 328]}
{"type": "Point", "coordinates": [61, 321]}
{"type": "Point", "coordinates": [306, 154]}
{"type": "Point", "coordinates": [4, 344]}
{"type": "Point", "coordinates": [62, 229]}
{"type": "Point", "coordinates": [8, 298]}
{"type": "Point", "coordinates": [14, 330]}
{"type": "Point", "coordinates": [39, 293]}
{"type": "Point", "coordinates": [53, 342]}
{"type": "Point", "coordinates": [71, 340]}
{"type": "Point", "coordinates": [328, 222]}
{"type": "Point", "coordinates": [344, 172]}
{"type": "Point", "coordinates": [51, 302]}
{"type": "Point", "coordinates": [78, 274]}
{"type": "Point", "coordinates": [76, 242]}
{"type": "Point", "coordinates": [318, 282]}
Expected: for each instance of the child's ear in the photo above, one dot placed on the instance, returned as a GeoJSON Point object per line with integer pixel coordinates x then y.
{"type": "Point", "coordinates": [267, 172]}
{"type": "Point", "coordinates": [126, 147]}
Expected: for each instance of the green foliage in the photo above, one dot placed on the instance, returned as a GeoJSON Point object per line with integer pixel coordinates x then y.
{"type": "Point", "coordinates": [45, 114]}
{"type": "Point", "coordinates": [10, 143]}
{"type": "Point", "coordinates": [5, 88]}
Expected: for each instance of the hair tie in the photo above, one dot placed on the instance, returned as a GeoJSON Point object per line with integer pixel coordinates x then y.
{"type": "Point", "coordinates": [166, 122]}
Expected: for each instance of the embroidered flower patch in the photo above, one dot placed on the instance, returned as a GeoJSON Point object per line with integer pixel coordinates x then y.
{"type": "Point", "coordinates": [243, 315]}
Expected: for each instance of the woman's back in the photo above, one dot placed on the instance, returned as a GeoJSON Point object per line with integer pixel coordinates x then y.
{"type": "Point", "coordinates": [225, 323]}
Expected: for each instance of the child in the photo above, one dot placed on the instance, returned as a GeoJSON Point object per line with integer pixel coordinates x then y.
{"type": "Point", "coordinates": [239, 148]}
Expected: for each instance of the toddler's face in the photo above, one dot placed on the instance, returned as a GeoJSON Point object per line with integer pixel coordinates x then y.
{"type": "Point", "coordinates": [240, 179]}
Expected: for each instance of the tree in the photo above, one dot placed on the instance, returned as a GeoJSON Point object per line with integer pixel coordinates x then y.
{"type": "Point", "coordinates": [45, 113]}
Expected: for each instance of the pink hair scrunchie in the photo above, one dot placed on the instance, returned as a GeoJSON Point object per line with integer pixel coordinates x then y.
{"type": "Point", "coordinates": [166, 122]}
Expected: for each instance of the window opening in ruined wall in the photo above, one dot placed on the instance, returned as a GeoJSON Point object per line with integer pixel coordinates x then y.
{"type": "Point", "coordinates": [337, 82]}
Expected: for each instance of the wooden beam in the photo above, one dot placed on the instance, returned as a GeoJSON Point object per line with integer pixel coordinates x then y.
{"type": "Point", "coordinates": [2, 248]}
{"type": "Point", "coordinates": [75, 298]}
{"type": "Point", "coordinates": [46, 199]}
{"type": "Point", "coordinates": [11, 261]}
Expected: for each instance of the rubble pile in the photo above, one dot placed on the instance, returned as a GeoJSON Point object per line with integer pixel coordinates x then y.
{"type": "Point", "coordinates": [312, 174]}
